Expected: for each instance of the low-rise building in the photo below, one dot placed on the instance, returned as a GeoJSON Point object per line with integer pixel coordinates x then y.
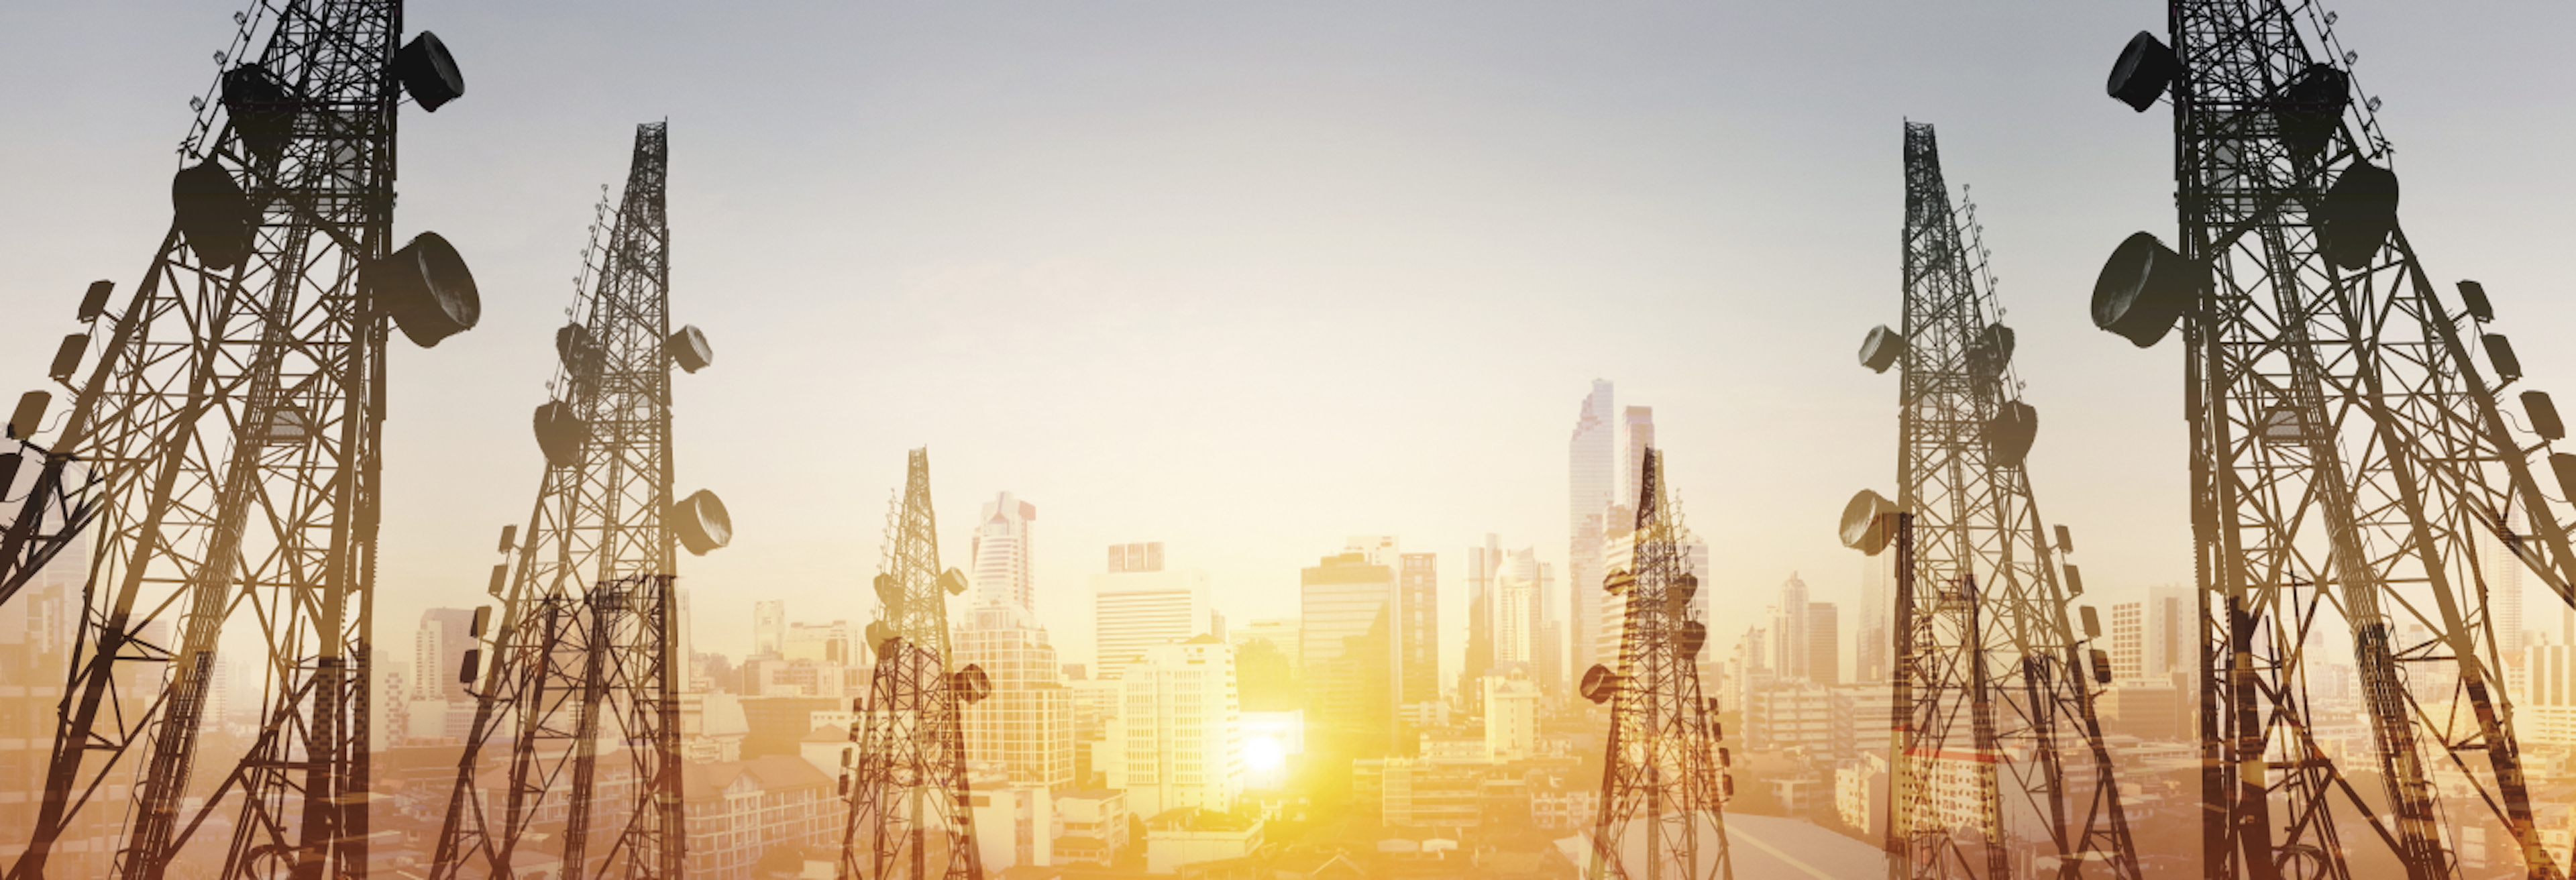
{"type": "Point", "coordinates": [1090, 826]}
{"type": "Point", "coordinates": [1188, 836]}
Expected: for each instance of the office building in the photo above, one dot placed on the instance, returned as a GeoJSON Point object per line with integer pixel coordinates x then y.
{"type": "Point", "coordinates": [1593, 465]}
{"type": "Point", "coordinates": [438, 649]}
{"type": "Point", "coordinates": [1824, 644]}
{"type": "Point", "coordinates": [1790, 645]}
{"type": "Point", "coordinates": [1177, 738]}
{"type": "Point", "coordinates": [1002, 560]}
{"type": "Point", "coordinates": [1418, 635]}
{"type": "Point", "coordinates": [1347, 610]}
{"type": "Point", "coordinates": [1139, 604]}
{"type": "Point", "coordinates": [2154, 637]}
{"type": "Point", "coordinates": [1875, 643]}
{"type": "Point", "coordinates": [1484, 562]}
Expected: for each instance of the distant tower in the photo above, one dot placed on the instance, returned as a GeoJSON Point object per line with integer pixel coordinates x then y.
{"type": "Point", "coordinates": [1663, 788]}
{"type": "Point", "coordinates": [1139, 604]}
{"type": "Point", "coordinates": [584, 647]}
{"type": "Point", "coordinates": [909, 814]}
{"type": "Point", "coordinates": [769, 628]}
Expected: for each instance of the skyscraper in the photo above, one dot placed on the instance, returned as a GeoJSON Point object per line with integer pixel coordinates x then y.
{"type": "Point", "coordinates": [1418, 639]}
{"type": "Point", "coordinates": [1177, 738]}
{"type": "Point", "coordinates": [2503, 576]}
{"type": "Point", "coordinates": [2154, 638]}
{"type": "Point", "coordinates": [438, 650]}
{"type": "Point", "coordinates": [1824, 644]}
{"type": "Point", "coordinates": [1025, 727]}
{"type": "Point", "coordinates": [1789, 643]}
{"type": "Point", "coordinates": [1483, 561]}
{"type": "Point", "coordinates": [1347, 608]}
{"type": "Point", "coordinates": [1001, 554]}
{"type": "Point", "coordinates": [1594, 455]}
{"type": "Point", "coordinates": [1517, 592]}
{"type": "Point", "coordinates": [1138, 605]}
{"type": "Point", "coordinates": [1870, 651]}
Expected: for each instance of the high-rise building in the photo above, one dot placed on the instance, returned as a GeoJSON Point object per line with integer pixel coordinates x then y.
{"type": "Point", "coordinates": [1636, 433]}
{"type": "Point", "coordinates": [1347, 608]}
{"type": "Point", "coordinates": [1870, 651]}
{"type": "Point", "coordinates": [1418, 637]}
{"type": "Point", "coordinates": [2153, 638]}
{"type": "Point", "coordinates": [2503, 575]}
{"type": "Point", "coordinates": [1001, 553]}
{"type": "Point", "coordinates": [1484, 561]}
{"type": "Point", "coordinates": [1177, 738]}
{"type": "Point", "coordinates": [439, 650]}
{"type": "Point", "coordinates": [768, 628]}
{"type": "Point", "coordinates": [1824, 644]}
{"type": "Point", "coordinates": [1593, 454]}
{"type": "Point", "coordinates": [1025, 727]}
{"type": "Point", "coordinates": [38, 628]}
{"type": "Point", "coordinates": [1280, 632]}
{"type": "Point", "coordinates": [1517, 593]}
{"type": "Point", "coordinates": [1138, 604]}
{"type": "Point", "coordinates": [1789, 641]}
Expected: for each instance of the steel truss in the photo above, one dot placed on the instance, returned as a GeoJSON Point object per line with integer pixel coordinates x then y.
{"type": "Point", "coordinates": [1664, 786]}
{"type": "Point", "coordinates": [583, 653]}
{"type": "Point", "coordinates": [222, 455]}
{"type": "Point", "coordinates": [2347, 460]}
{"type": "Point", "coordinates": [909, 816]}
{"type": "Point", "coordinates": [1990, 675]}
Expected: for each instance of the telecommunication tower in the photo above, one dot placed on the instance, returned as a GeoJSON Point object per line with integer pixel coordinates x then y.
{"type": "Point", "coordinates": [222, 456]}
{"type": "Point", "coordinates": [583, 652]}
{"type": "Point", "coordinates": [1988, 673]}
{"type": "Point", "coordinates": [2347, 459]}
{"type": "Point", "coordinates": [1664, 784]}
{"type": "Point", "coordinates": [909, 816]}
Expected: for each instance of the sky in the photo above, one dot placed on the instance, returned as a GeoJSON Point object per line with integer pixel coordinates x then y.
{"type": "Point", "coordinates": [1250, 278]}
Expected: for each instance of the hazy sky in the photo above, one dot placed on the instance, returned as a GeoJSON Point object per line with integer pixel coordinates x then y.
{"type": "Point", "coordinates": [1247, 279]}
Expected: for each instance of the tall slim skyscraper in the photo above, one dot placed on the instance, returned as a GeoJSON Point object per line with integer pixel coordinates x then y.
{"type": "Point", "coordinates": [1789, 642]}
{"type": "Point", "coordinates": [1483, 561]}
{"type": "Point", "coordinates": [1518, 589]}
{"type": "Point", "coordinates": [439, 648]}
{"type": "Point", "coordinates": [1636, 433]}
{"type": "Point", "coordinates": [769, 628]}
{"type": "Point", "coordinates": [2503, 575]}
{"type": "Point", "coordinates": [1138, 605]}
{"type": "Point", "coordinates": [1418, 638]}
{"type": "Point", "coordinates": [1594, 463]}
{"type": "Point", "coordinates": [1001, 552]}
{"type": "Point", "coordinates": [1875, 643]}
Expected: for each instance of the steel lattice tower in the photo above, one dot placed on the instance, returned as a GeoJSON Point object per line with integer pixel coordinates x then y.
{"type": "Point", "coordinates": [909, 817]}
{"type": "Point", "coordinates": [222, 455]}
{"type": "Point", "coordinates": [1988, 669]}
{"type": "Point", "coordinates": [583, 651]}
{"type": "Point", "coordinates": [2347, 459]}
{"type": "Point", "coordinates": [1663, 785]}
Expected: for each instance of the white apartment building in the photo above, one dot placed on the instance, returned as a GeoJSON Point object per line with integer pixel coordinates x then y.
{"type": "Point", "coordinates": [1177, 740]}
{"type": "Point", "coordinates": [1138, 604]}
{"type": "Point", "coordinates": [1511, 717]}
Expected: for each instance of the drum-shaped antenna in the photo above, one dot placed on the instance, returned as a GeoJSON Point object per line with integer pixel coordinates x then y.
{"type": "Point", "coordinates": [2310, 108]}
{"type": "Point", "coordinates": [560, 434]}
{"type": "Point", "coordinates": [2010, 434]}
{"type": "Point", "coordinates": [689, 349]}
{"type": "Point", "coordinates": [428, 72]}
{"type": "Point", "coordinates": [702, 522]}
{"type": "Point", "coordinates": [970, 684]}
{"type": "Point", "coordinates": [577, 350]}
{"type": "Point", "coordinates": [2144, 287]}
{"type": "Point", "coordinates": [1880, 349]}
{"type": "Point", "coordinates": [262, 108]}
{"type": "Point", "coordinates": [953, 581]}
{"type": "Point", "coordinates": [1694, 637]}
{"type": "Point", "coordinates": [1599, 683]}
{"type": "Point", "coordinates": [2145, 66]}
{"type": "Point", "coordinates": [2360, 210]}
{"type": "Point", "coordinates": [1866, 522]}
{"type": "Point", "coordinates": [214, 216]}
{"type": "Point", "coordinates": [890, 591]}
{"type": "Point", "coordinates": [428, 291]}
